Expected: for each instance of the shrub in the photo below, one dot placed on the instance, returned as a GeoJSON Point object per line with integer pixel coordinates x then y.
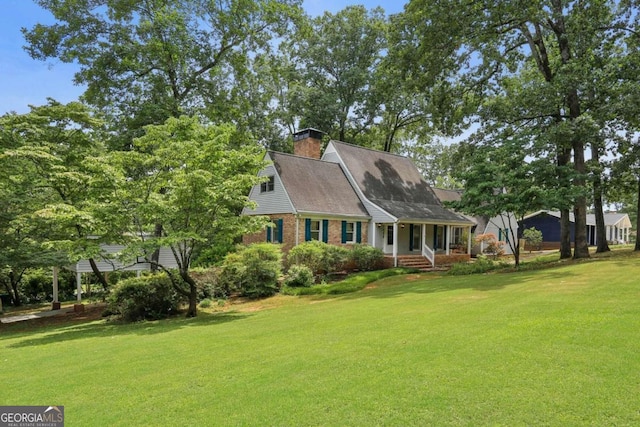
{"type": "Point", "coordinates": [209, 283]}
{"type": "Point", "coordinates": [482, 264]}
{"type": "Point", "coordinates": [253, 270]}
{"type": "Point", "coordinates": [205, 303]}
{"type": "Point", "coordinates": [299, 276]}
{"type": "Point", "coordinates": [149, 297]}
{"type": "Point", "coordinates": [36, 286]}
{"type": "Point", "coordinates": [367, 258]}
{"type": "Point", "coordinates": [308, 253]}
{"type": "Point", "coordinates": [491, 245]}
{"type": "Point", "coordinates": [320, 257]}
{"type": "Point", "coordinates": [533, 237]}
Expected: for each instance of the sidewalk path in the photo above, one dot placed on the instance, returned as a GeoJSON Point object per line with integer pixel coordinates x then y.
{"type": "Point", "coordinates": [20, 318]}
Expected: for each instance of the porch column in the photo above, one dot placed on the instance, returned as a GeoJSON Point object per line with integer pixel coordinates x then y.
{"type": "Point", "coordinates": [79, 287]}
{"type": "Point", "coordinates": [448, 239]}
{"type": "Point", "coordinates": [297, 229]}
{"type": "Point", "coordinates": [372, 233]}
{"type": "Point", "coordinates": [395, 244]}
{"type": "Point", "coordinates": [469, 242]}
{"type": "Point", "coordinates": [423, 229]}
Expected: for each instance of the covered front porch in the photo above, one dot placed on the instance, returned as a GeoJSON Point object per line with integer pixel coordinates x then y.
{"type": "Point", "coordinates": [436, 242]}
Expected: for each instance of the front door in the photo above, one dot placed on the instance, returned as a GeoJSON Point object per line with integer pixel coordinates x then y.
{"type": "Point", "coordinates": [388, 239]}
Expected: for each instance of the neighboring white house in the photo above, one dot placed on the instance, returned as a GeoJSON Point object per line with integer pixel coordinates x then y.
{"type": "Point", "coordinates": [107, 263]}
{"type": "Point", "coordinates": [503, 226]}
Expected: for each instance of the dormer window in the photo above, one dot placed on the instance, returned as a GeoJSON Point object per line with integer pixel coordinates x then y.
{"type": "Point", "coordinates": [267, 185]}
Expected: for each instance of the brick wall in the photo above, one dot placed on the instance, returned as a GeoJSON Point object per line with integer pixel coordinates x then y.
{"type": "Point", "coordinates": [442, 260]}
{"type": "Point", "coordinates": [289, 232]}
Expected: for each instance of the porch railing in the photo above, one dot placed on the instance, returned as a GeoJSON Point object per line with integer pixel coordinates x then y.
{"type": "Point", "coordinates": [429, 254]}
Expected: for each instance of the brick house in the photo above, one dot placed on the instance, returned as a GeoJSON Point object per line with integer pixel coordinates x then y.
{"type": "Point", "coordinates": [351, 194]}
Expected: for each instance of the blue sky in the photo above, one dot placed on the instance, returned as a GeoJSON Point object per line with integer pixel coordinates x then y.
{"type": "Point", "coordinates": [25, 81]}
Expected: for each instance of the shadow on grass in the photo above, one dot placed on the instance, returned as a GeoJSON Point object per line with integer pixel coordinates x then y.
{"type": "Point", "coordinates": [428, 283]}
{"type": "Point", "coordinates": [103, 328]}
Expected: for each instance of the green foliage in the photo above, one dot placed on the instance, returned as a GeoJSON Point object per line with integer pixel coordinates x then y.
{"type": "Point", "coordinates": [144, 298]}
{"type": "Point", "coordinates": [482, 264]}
{"type": "Point", "coordinates": [299, 276]}
{"type": "Point", "coordinates": [533, 237]}
{"type": "Point", "coordinates": [205, 303]}
{"type": "Point", "coordinates": [366, 258]}
{"type": "Point", "coordinates": [143, 65]}
{"type": "Point", "coordinates": [354, 282]}
{"type": "Point", "coordinates": [320, 257]}
{"type": "Point", "coordinates": [209, 284]}
{"type": "Point", "coordinates": [253, 270]}
{"type": "Point", "coordinates": [491, 245]}
{"type": "Point", "coordinates": [36, 285]}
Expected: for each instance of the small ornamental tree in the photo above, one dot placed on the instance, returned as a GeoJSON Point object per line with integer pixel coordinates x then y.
{"type": "Point", "coordinates": [191, 183]}
{"type": "Point", "coordinates": [533, 237]}
{"type": "Point", "coordinates": [490, 245]}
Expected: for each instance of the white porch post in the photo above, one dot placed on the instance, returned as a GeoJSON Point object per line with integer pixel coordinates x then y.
{"type": "Point", "coordinates": [372, 233]}
{"type": "Point", "coordinates": [297, 229]}
{"type": "Point", "coordinates": [448, 239]}
{"type": "Point", "coordinates": [469, 242]}
{"type": "Point", "coordinates": [423, 229]}
{"type": "Point", "coordinates": [55, 284]}
{"type": "Point", "coordinates": [395, 244]}
{"type": "Point", "coordinates": [79, 287]}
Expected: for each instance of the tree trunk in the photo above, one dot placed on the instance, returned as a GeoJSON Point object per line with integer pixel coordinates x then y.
{"type": "Point", "coordinates": [98, 273]}
{"type": "Point", "coordinates": [565, 234]}
{"type": "Point", "coordinates": [193, 294]}
{"type": "Point", "coordinates": [155, 257]}
{"type": "Point", "coordinates": [637, 247]}
{"type": "Point", "coordinates": [581, 249]}
{"type": "Point", "coordinates": [15, 295]}
{"type": "Point", "coordinates": [601, 238]}
{"type": "Point", "coordinates": [601, 231]}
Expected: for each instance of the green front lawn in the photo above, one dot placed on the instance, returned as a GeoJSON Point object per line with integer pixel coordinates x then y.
{"type": "Point", "coordinates": [559, 346]}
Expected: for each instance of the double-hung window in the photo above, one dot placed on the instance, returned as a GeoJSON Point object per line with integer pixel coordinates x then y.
{"type": "Point", "coordinates": [267, 185]}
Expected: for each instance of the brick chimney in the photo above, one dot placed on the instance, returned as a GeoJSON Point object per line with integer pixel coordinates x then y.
{"type": "Point", "coordinates": [307, 143]}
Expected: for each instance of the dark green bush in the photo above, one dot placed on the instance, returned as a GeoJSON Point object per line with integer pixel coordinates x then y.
{"type": "Point", "coordinates": [36, 286]}
{"type": "Point", "coordinates": [320, 257]}
{"type": "Point", "coordinates": [299, 276]}
{"type": "Point", "coordinates": [482, 264]}
{"type": "Point", "coordinates": [310, 254]}
{"type": "Point", "coordinates": [209, 283]}
{"type": "Point", "coordinates": [253, 270]}
{"type": "Point", "coordinates": [367, 258]}
{"type": "Point", "coordinates": [148, 297]}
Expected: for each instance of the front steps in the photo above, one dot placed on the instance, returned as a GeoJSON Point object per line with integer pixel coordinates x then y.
{"type": "Point", "coordinates": [414, 261]}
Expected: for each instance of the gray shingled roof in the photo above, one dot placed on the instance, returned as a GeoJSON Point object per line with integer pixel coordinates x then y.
{"type": "Point", "coordinates": [316, 186]}
{"type": "Point", "coordinates": [610, 218]}
{"type": "Point", "coordinates": [395, 184]}
{"type": "Point", "coordinates": [455, 196]}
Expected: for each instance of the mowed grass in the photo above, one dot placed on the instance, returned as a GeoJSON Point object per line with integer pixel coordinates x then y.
{"type": "Point", "coordinates": [559, 346]}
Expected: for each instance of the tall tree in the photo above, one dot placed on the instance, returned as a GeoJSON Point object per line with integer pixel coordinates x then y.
{"type": "Point", "coordinates": [195, 184]}
{"type": "Point", "coordinates": [53, 160]}
{"type": "Point", "coordinates": [484, 46]}
{"type": "Point", "coordinates": [145, 61]}
{"type": "Point", "coordinates": [338, 55]}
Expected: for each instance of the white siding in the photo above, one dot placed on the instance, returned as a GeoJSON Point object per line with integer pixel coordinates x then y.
{"type": "Point", "coordinates": [501, 222]}
{"type": "Point", "coordinates": [272, 202]}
